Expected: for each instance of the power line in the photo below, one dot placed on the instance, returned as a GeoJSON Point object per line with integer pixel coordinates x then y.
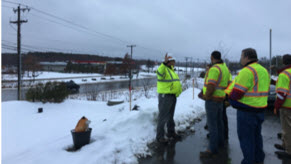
{"type": "Point", "coordinates": [12, 27]}
{"type": "Point", "coordinates": [15, 47]}
{"type": "Point", "coordinates": [34, 48]}
{"type": "Point", "coordinates": [15, 3]}
{"type": "Point", "coordinates": [7, 6]}
{"type": "Point", "coordinates": [70, 22]}
{"type": "Point", "coordinates": [83, 27]}
{"type": "Point", "coordinates": [80, 26]}
{"type": "Point", "coordinates": [58, 23]}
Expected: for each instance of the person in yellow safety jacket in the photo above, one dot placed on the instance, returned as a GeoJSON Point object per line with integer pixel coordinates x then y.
{"type": "Point", "coordinates": [249, 94]}
{"type": "Point", "coordinates": [283, 103]}
{"type": "Point", "coordinates": [219, 93]}
{"type": "Point", "coordinates": [169, 88]}
{"type": "Point", "coordinates": [217, 80]}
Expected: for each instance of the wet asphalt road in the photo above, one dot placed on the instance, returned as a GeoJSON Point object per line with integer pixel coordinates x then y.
{"type": "Point", "coordinates": [187, 151]}
{"type": "Point", "coordinates": [11, 94]}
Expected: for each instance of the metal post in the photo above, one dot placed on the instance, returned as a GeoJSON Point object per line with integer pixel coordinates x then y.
{"type": "Point", "coordinates": [276, 63]}
{"type": "Point", "coordinates": [270, 51]}
{"type": "Point", "coordinates": [193, 88]}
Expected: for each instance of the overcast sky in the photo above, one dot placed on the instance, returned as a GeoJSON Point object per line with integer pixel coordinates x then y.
{"type": "Point", "coordinates": [186, 28]}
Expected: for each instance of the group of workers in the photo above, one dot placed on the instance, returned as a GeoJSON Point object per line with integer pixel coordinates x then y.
{"type": "Point", "coordinates": [247, 92]}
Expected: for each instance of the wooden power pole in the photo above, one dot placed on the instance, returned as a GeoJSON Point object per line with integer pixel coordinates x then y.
{"type": "Point", "coordinates": [130, 74]}
{"type": "Point", "coordinates": [19, 22]}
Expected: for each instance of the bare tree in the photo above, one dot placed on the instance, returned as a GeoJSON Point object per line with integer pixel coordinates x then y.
{"type": "Point", "coordinates": [91, 92]}
{"type": "Point", "coordinates": [224, 50]}
{"type": "Point", "coordinates": [150, 64]}
{"type": "Point", "coordinates": [110, 69]}
{"type": "Point", "coordinates": [31, 64]}
{"type": "Point", "coordinates": [126, 64]}
{"type": "Point", "coordinates": [146, 87]}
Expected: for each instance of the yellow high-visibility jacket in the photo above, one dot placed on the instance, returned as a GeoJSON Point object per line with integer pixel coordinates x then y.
{"type": "Point", "coordinates": [283, 85]}
{"type": "Point", "coordinates": [254, 81]}
{"type": "Point", "coordinates": [220, 76]}
{"type": "Point", "coordinates": [168, 81]}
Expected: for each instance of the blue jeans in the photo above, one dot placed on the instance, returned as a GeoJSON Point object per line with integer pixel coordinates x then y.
{"type": "Point", "coordinates": [249, 127]}
{"type": "Point", "coordinates": [215, 125]}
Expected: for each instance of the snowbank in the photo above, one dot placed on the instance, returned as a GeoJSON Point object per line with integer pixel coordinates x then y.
{"type": "Point", "coordinates": [118, 135]}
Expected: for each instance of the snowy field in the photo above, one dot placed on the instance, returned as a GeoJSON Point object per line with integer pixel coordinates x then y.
{"type": "Point", "coordinates": [118, 135]}
{"type": "Point", "coordinates": [79, 78]}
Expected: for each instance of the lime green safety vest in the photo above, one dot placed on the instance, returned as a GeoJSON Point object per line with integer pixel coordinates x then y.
{"type": "Point", "coordinates": [168, 81]}
{"type": "Point", "coordinates": [219, 76]}
{"type": "Point", "coordinates": [230, 87]}
{"type": "Point", "coordinates": [254, 81]}
{"type": "Point", "coordinates": [283, 85]}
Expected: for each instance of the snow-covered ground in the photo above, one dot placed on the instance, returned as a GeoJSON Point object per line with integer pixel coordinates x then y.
{"type": "Point", "coordinates": [118, 135]}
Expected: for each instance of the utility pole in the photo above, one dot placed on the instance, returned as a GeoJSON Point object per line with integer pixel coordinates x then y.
{"type": "Point", "coordinates": [191, 66]}
{"type": "Point", "coordinates": [186, 58]}
{"type": "Point", "coordinates": [130, 74]}
{"type": "Point", "coordinates": [277, 63]}
{"type": "Point", "coordinates": [197, 67]}
{"type": "Point", "coordinates": [270, 51]}
{"type": "Point", "coordinates": [19, 22]}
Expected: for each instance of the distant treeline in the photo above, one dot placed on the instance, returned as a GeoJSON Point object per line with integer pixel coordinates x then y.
{"type": "Point", "coordinates": [11, 58]}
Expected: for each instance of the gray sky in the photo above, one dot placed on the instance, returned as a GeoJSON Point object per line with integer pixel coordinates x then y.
{"type": "Point", "coordinates": [192, 28]}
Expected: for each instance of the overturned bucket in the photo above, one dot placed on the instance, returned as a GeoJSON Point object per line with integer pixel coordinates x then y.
{"type": "Point", "coordinates": [81, 138]}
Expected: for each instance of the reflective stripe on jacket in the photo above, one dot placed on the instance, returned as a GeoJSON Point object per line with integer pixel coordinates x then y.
{"type": "Point", "coordinates": [218, 75]}
{"type": "Point", "coordinates": [254, 81]}
{"type": "Point", "coordinates": [283, 85]}
{"type": "Point", "coordinates": [168, 81]}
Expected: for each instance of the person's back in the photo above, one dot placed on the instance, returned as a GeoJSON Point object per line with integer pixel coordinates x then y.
{"type": "Point", "coordinates": [283, 103]}
{"type": "Point", "coordinates": [255, 81]}
{"type": "Point", "coordinates": [249, 95]}
{"type": "Point", "coordinates": [213, 92]}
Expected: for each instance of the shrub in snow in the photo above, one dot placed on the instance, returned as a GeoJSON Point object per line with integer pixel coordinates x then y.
{"type": "Point", "coordinates": [36, 93]}
{"type": "Point", "coordinates": [50, 92]}
{"type": "Point", "coordinates": [186, 84]}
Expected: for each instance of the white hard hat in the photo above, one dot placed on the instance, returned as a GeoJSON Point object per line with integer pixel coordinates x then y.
{"type": "Point", "coordinates": [171, 57]}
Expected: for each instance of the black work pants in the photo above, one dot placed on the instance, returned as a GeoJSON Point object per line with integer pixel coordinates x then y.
{"type": "Point", "coordinates": [167, 103]}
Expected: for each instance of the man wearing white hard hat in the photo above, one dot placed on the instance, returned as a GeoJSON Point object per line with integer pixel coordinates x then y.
{"type": "Point", "coordinates": [169, 88]}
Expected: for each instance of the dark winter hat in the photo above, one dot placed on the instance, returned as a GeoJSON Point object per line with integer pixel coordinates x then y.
{"type": "Point", "coordinates": [287, 59]}
{"type": "Point", "coordinates": [216, 55]}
